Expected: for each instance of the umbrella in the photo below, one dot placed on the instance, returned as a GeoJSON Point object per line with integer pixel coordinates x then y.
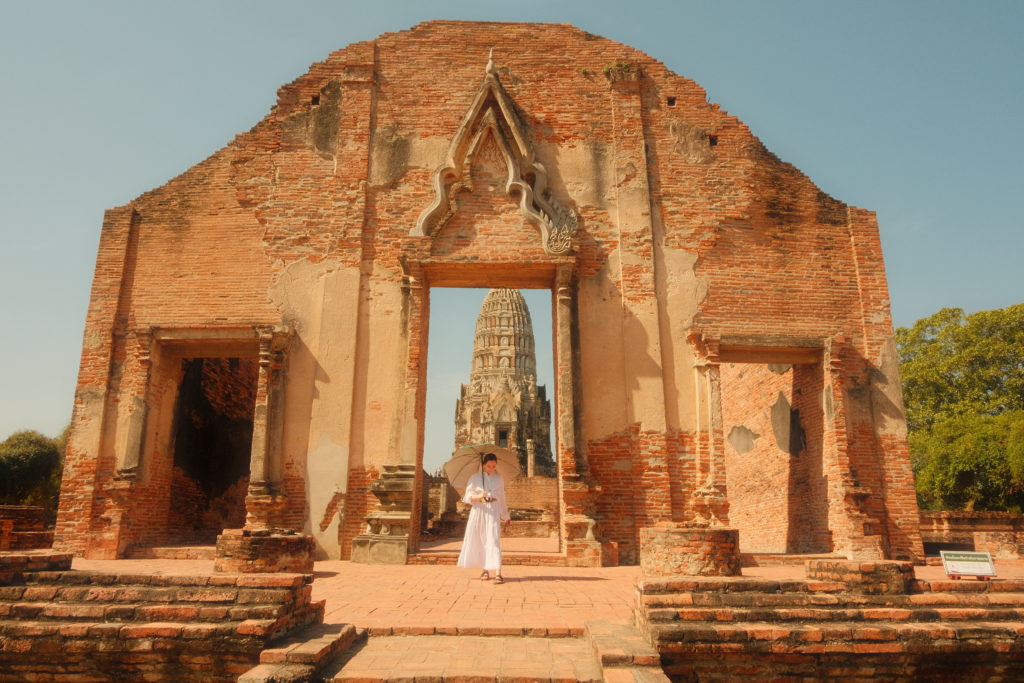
{"type": "Point", "coordinates": [466, 462]}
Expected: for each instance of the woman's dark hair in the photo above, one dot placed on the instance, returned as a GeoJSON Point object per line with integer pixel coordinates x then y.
{"type": "Point", "coordinates": [487, 458]}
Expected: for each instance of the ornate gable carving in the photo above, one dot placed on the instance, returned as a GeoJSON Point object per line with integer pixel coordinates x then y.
{"type": "Point", "coordinates": [493, 115]}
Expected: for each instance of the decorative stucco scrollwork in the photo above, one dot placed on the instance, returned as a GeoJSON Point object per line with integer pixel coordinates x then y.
{"type": "Point", "coordinates": [492, 114]}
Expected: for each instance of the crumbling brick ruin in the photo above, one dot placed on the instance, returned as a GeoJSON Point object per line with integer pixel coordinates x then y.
{"type": "Point", "coordinates": [255, 346]}
{"type": "Point", "coordinates": [502, 403]}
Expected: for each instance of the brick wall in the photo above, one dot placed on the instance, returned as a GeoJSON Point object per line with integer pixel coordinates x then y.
{"type": "Point", "coordinates": [687, 228]}
{"type": "Point", "coordinates": [998, 533]}
{"type": "Point", "coordinates": [533, 493]}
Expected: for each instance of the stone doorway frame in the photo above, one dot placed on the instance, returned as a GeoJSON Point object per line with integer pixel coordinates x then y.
{"type": "Point", "coordinates": [144, 425]}
{"type": "Point", "coordinates": [393, 526]}
{"type": "Point", "coordinates": [854, 532]}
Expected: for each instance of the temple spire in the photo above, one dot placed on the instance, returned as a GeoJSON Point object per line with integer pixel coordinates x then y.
{"type": "Point", "coordinates": [502, 403]}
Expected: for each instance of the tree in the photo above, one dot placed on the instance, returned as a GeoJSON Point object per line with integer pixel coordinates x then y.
{"type": "Point", "coordinates": [963, 385]}
{"type": "Point", "coordinates": [970, 462]}
{"type": "Point", "coordinates": [30, 468]}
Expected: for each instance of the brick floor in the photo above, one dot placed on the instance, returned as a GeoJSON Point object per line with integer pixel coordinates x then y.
{"type": "Point", "coordinates": [526, 619]}
{"type": "Point", "coordinates": [450, 657]}
{"type": "Point", "coordinates": [437, 599]}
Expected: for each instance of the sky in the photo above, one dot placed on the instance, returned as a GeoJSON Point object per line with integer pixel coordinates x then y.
{"type": "Point", "coordinates": [910, 108]}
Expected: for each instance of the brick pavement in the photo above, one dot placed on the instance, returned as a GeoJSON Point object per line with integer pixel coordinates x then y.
{"type": "Point", "coordinates": [466, 657]}
{"type": "Point", "coordinates": [528, 621]}
{"type": "Point", "coordinates": [448, 600]}
{"type": "Point", "coordinates": [444, 600]}
{"type": "Point", "coordinates": [424, 599]}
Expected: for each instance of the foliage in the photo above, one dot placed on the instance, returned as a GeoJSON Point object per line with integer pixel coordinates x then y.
{"type": "Point", "coordinates": [957, 364]}
{"type": "Point", "coordinates": [30, 469]}
{"type": "Point", "coordinates": [969, 462]}
{"type": "Point", "coordinates": [963, 385]}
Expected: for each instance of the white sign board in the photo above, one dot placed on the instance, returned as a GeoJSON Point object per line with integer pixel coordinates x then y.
{"type": "Point", "coordinates": [960, 563]}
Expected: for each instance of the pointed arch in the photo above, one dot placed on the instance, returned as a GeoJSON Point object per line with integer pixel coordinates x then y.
{"type": "Point", "coordinates": [492, 112]}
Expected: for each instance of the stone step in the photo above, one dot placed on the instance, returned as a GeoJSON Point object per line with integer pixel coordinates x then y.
{"type": "Point", "coordinates": [719, 615]}
{"type": "Point", "coordinates": [716, 584]}
{"type": "Point", "coordinates": [98, 651]}
{"type": "Point", "coordinates": [783, 559]}
{"type": "Point", "coordinates": [198, 595]}
{"type": "Point", "coordinates": [26, 628]}
{"type": "Point", "coordinates": [127, 612]}
{"type": "Point", "coordinates": [47, 617]}
{"type": "Point", "coordinates": [852, 637]}
{"type": "Point", "coordinates": [173, 552]}
{"type": "Point", "coordinates": [79, 625]}
{"type": "Point", "coordinates": [967, 586]}
{"type": "Point", "coordinates": [623, 653]}
{"type": "Point", "coordinates": [81, 578]}
{"type": "Point", "coordinates": [304, 655]}
{"type": "Point", "coordinates": [451, 658]}
{"type": "Point", "coordinates": [957, 662]}
{"type": "Point", "coordinates": [737, 584]}
{"type": "Point", "coordinates": [15, 564]}
{"type": "Point", "coordinates": [796, 600]}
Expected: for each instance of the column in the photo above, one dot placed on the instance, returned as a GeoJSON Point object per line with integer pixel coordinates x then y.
{"type": "Point", "coordinates": [264, 501]}
{"type": "Point", "coordinates": [576, 493]}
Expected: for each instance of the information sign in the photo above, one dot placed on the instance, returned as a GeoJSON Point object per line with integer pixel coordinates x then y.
{"type": "Point", "coordinates": [960, 563]}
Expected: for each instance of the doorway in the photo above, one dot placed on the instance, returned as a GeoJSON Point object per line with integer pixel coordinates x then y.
{"type": "Point", "coordinates": [211, 445]}
{"type": "Point", "coordinates": [773, 420]}
{"type": "Point", "coordinates": [490, 377]}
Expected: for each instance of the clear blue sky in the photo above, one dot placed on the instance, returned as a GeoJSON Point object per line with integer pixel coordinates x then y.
{"type": "Point", "coordinates": [909, 108]}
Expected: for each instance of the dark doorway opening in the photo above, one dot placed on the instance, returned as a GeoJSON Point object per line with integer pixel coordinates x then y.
{"type": "Point", "coordinates": [213, 427]}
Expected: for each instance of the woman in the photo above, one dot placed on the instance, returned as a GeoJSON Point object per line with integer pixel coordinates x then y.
{"type": "Point", "coordinates": [481, 546]}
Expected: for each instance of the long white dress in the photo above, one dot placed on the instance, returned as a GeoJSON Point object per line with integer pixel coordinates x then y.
{"type": "Point", "coordinates": [481, 546]}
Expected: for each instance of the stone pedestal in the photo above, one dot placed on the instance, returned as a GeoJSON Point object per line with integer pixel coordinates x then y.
{"type": "Point", "coordinates": [877, 578]}
{"type": "Point", "coordinates": [263, 506]}
{"type": "Point", "coordinates": [668, 549]}
{"type": "Point", "coordinates": [581, 548]}
{"type": "Point", "coordinates": [253, 551]}
{"type": "Point", "coordinates": [386, 540]}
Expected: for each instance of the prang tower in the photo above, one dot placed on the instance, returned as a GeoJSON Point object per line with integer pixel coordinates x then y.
{"type": "Point", "coordinates": [502, 403]}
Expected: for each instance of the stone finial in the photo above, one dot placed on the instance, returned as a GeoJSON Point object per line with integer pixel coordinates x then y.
{"type": "Point", "coordinates": [490, 62]}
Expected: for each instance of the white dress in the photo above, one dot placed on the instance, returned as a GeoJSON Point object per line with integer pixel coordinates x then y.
{"type": "Point", "coordinates": [481, 547]}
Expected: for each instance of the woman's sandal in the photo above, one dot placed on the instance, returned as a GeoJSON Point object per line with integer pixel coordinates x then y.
{"type": "Point", "coordinates": [498, 579]}
{"type": "Point", "coordinates": [486, 576]}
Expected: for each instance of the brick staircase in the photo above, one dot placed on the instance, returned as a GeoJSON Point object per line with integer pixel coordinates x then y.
{"type": "Point", "coordinates": [875, 625]}
{"type": "Point", "coordinates": [62, 625]}
{"type": "Point", "coordinates": [615, 653]}
{"type": "Point", "coordinates": [23, 527]}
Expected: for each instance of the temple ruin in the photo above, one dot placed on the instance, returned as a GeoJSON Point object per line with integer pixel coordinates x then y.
{"type": "Point", "coordinates": [502, 403]}
{"type": "Point", "coordinates": [253, 363]}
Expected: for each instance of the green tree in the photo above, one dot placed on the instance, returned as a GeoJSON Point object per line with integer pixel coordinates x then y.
{"type": "Point", "coordinates": [30, 468]}
{"type": "Point", "coordinates": [963, 385]}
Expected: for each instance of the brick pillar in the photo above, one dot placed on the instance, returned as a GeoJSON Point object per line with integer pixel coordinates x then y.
{"type": "Point", "coordinates": [576, 492]}
{"type": "Point", "coordinates": [79, 505]}
{"type": "Point", "coordinates": [854, 533]}
{"type": "Point", "coordinates": [709, 505]}
{"type": "Point", "coordinates": [641, 324]}
{"type": "Point", "coordinates": [888, 426]}
{"type": "Point", "coordinates": [262, 545]}
{"type": "Point", "coordinates": [264, 501]}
